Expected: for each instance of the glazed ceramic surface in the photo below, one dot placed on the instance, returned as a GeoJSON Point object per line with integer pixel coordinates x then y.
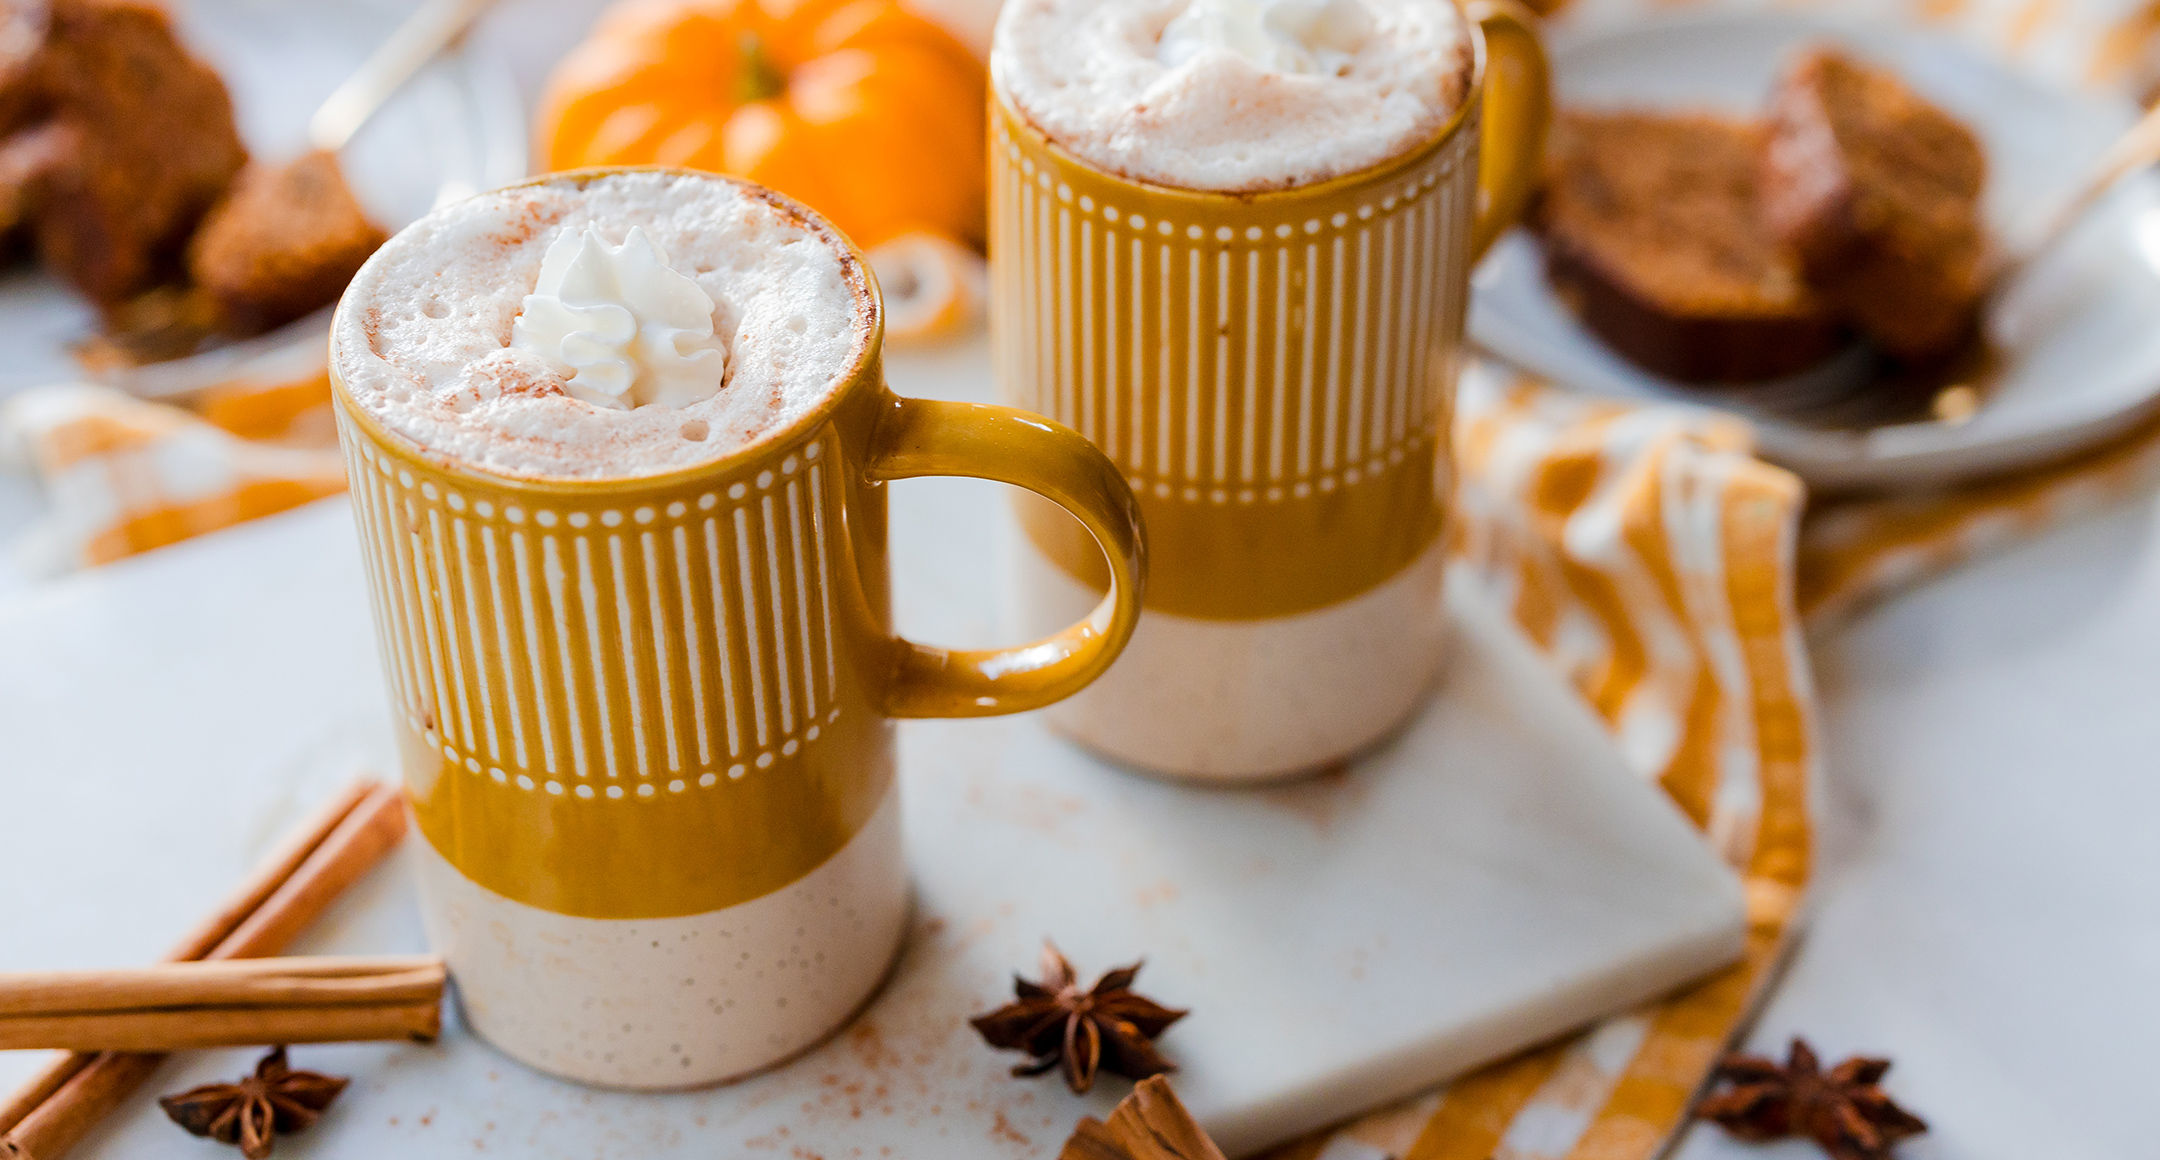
{"type": "Point", "coordinates": [1272, 372]}
{"type": "Point", "coordinates": [2081, 359]}
{"type": "Point", "coordinates": [646, 722]}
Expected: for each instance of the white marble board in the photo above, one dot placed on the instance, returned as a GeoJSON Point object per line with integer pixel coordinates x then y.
{"type": "Point", "coordinates": [1489, 878]}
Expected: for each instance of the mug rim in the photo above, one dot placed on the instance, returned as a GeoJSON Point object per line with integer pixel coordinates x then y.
{"type": "Point", "coordinates": [1380, 170]}
{"type": "Point", "coordinates": [859, 370]}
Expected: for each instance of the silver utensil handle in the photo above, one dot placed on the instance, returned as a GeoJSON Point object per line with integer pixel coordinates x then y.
{"type": "Point", "coordinates": [435, 26]}
{"type": "Point", "coordinates": [2134, 151]}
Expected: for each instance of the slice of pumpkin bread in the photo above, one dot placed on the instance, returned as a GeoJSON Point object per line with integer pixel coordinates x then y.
{"type": "Point", "coordinates": [1878, 191]}
{"type": "Point", "coordinates": [1653, 235]}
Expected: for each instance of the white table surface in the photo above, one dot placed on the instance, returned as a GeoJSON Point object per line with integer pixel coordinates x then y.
{"type": "Point", "coordinates": [1987, 904]}
{"type": "Point", "coordinates": [1490, 878]}
{"type": "Point", "coordinates": [1988, 901]}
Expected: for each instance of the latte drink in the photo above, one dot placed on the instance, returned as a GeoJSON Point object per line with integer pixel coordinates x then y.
{"type": "Point", "coordinates": [1234, 96]}
{"type": "Point", "coordinates": [616, 442]}
{"type": "Point", "coordinates": [1230, 244]}
{"type": "Point", "coordinates": [456, 335]}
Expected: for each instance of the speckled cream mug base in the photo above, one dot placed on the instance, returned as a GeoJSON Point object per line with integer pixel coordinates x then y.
{"type": "Point", "coordinates": [688, 1001]}
{"type": "Point", "coordinates": [1249, 701]}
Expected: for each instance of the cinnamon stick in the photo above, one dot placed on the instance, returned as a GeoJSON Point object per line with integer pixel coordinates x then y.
{"type": "Point", "coordinates": [323, 980]}
{"type": "Point", "coordinates": [361, 838]}
{"type": "Point", "coordinates": [224, 1004]}
{"type": "Point", "coordinates": [267, 876]}
{"type": "Point", "coordinates": [68, 1114]}
{"type": "Point", "coordinates": [364, 838]}
{"type": "Point", "coordinates": [1149, 1124]}
{"type": "Point", "coordinates": [193, 1027]}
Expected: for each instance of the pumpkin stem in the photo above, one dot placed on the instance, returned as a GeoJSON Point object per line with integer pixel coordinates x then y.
{"type": "Point", "coordinates": [758, 79]}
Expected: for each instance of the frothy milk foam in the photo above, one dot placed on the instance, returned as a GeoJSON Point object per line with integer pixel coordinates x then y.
{"type": "Point", "coordinates": [624, 326]}
{"type": "Point", "coordinates": [1233, 95]}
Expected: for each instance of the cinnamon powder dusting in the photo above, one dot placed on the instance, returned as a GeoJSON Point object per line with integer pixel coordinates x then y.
{"type": "Point", "coordinates": [912, 1068]}
{"type": "Point", "coordinates": [516, 382]}
{"type": "Point", "coordinates": [1320, 800]}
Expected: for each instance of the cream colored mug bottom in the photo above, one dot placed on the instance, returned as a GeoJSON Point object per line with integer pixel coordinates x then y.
{"type": "Point", "coordinates": [674, 1002]}
{"type": "Point", "coordinates": [1247, 700]}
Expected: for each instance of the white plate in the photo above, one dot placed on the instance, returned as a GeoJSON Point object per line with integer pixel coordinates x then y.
{"type": "Point", "coordinates": [2083, 355]}
{"type": "Point", "coordinates": [456, 129]}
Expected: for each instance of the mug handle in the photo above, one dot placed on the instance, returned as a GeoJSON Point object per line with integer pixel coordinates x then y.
{"type": "Point", "coordinates": [917, 437]}
{"type": "Point", "coordinates": [1518, 107]}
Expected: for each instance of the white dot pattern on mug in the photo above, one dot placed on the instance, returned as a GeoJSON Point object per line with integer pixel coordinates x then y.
{"type": "Point", "coordinates": [1347, 382]}
{"type": "Point", "coordinates": [502, 633]}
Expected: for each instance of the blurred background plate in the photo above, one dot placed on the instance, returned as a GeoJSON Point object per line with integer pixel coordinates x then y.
{"type": "Point", "coordinates": [2082, 357]}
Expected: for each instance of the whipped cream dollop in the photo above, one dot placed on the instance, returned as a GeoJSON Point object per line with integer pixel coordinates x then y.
{"type": "Point", "coordinates": [621, 326]}
{"type": "Point", "coordinates": [1308, 37]}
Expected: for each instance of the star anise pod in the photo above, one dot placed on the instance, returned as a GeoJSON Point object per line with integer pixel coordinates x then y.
{"type": "Point", "coordinates": [1842, 1109]}
{"type": "Point", "coordinates": [251, 1112]}
{"type": "Point", "coordinates": [1149, 1124]}
{"type": "Point", "coordinates": [1059, 1023]}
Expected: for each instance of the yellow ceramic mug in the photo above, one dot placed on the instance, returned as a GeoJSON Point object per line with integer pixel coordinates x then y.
{"type": "Point", "coordinates": [1274, 374]}
{"type": "Point", "coordinates": [647, 722]}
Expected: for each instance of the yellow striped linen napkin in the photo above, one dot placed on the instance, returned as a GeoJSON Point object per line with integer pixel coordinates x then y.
{"type": "Point", "coordinates": [122, 475]}
{"type": "Point", "coordinates": [1651, 556]}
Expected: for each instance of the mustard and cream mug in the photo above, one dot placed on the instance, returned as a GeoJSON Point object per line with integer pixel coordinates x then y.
{"type": "Point", "coordinates": [647, 723]}
{"type": "Point", "coordinates": [1273, 373]}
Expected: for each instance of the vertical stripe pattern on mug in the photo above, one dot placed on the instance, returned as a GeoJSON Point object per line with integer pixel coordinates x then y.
{"type": "Point", "coordinates": [628, 700]}
{"type": "Point", "coordinates": [1276, 364]}
{"type": "Point", "coordinates": [532, 644]}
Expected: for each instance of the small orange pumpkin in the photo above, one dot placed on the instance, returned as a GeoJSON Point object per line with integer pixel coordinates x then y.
{"type": "Point", "coordinates": [866, 112]}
